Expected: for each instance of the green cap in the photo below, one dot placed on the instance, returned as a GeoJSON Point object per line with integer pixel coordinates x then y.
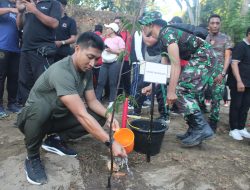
{"type": "Point", "coordinates": [149, 17]}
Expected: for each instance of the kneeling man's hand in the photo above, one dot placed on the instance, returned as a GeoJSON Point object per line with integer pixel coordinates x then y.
{"type": "Point", "coordinates": [118, 150]}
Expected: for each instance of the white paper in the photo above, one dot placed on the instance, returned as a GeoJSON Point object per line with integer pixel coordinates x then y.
{"type": "Point", "coordinates": [156, 72]}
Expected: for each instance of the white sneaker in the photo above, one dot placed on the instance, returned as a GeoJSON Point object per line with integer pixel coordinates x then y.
{"type": "Point", "coordinates": [244, 133]}
{"type": "Point", "coordinates": [235, 134]}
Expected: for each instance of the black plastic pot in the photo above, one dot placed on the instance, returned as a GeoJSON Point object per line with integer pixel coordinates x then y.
{"type": "Point", "coordinates": [141, 129]}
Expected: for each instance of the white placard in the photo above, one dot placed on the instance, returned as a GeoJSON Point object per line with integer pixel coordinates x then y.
{"type": "Point", "coordinates": [156, 73]}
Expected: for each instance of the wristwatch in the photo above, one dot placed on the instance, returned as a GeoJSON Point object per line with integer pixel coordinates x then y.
{"type": "Point", "coordinates": [108, 143]}
{"type": "Point", "coordinates": [63, 42]}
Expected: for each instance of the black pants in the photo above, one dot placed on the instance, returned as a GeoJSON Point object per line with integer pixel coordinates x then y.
{"type": "Point", "coordinates": [239, 106]}
{"type": "Point", "coordinates": [9, 66]}
{"type": "Point", "coordinates": [32, 65]}
{"type": "Point", "coordinates": [125, 83]}
{"type": "Point", "coordinates": [160, 90]}
{"type": "Point", "coordinates": [38, 120]}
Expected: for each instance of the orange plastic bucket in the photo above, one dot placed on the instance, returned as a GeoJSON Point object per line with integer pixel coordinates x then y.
{"type": "Point", "coordinates": [125, 137]}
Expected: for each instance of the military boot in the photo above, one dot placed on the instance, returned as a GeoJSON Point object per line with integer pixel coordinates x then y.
{"type": "Point", "coordinates": [201, 130]}
{"type": "Point", "coordinates": [188, 132]}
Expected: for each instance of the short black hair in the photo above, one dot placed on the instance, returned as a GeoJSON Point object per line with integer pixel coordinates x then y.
{"type": "Point", "coordinates": [248, 31]}
{"type": "Point", "coordinates": [90, 39]}
{"type": "Point", "coordinates": [176, 19]}
{"type": "Point", "coordinates": [99, 28]}
{"type": "Point", "coordinates": [214, 16]}
{"type": "Point", "coordinates": [160, 22]}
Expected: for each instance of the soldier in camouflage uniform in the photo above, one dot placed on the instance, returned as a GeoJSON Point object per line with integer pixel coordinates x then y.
{"type": "Point", "coordinates": [222, 45]}
{"type": "Point", "coordinates": [185, 88]}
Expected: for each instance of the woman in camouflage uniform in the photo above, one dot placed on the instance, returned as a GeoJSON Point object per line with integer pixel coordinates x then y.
{"type": "Point", "coordinates": [185, 87]}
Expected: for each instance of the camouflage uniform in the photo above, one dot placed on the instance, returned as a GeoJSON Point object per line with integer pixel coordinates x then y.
{"type": "Point", "coordinates": [202, 67]}
{"type": "Point", "coordinates": [220, 43]}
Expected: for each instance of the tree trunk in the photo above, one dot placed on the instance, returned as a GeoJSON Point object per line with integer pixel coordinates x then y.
{"type": "Point", "coordinates": [190, 12]}
{"type": "Point", "coordinates": [197, 12]}
{"type": "Point", "coordinates": [244, 7]}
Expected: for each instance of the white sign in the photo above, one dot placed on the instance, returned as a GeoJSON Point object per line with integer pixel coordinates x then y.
{"type": "Point", "coordinates": [156, 72]}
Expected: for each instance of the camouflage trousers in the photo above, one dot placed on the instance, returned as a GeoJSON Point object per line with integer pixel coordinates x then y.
{"type": "Point", "coordinates": [217, 95]}
{"type": "Point", "coordinates": [201, 69]}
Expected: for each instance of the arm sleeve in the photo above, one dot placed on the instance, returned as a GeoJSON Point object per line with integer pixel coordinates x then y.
{"type": "Point", "coordinates": [229, 44]}
{"type": "Point", "coordinates": [73, 28]}
{"type": "Point", "coordinates": [169, 38]}
{"type": "Point", "coordinates": [89, 79]}
{"type": "Point", "coordinates": [238, 52]}
{"type": "Point", "coordinates": [63, 83]}
{"type": "Point", "coordinates": [55, 10]}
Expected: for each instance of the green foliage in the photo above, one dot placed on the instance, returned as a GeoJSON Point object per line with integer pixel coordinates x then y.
{"type": "Point", "coordinates": [120, 99]}
{"type": "Point", "coordinates": [233, 22]}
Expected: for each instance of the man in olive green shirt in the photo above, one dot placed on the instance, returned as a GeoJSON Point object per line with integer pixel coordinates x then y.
{"type": "Point", "coordinates": [62, 105]}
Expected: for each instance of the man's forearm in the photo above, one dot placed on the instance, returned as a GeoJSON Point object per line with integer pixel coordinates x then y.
{"type": "Point", "coordinates": [236, 73]}
{"type": "Point", "coordinates": [97, 107]}
{"type": "Point", "coordinates": [227, 60]}
{"type": "Point", "coordinates": [46, 20]}
{"type": "Point", "coordinates": [4, 11]}
{"type": "Point", "coordinates": [92, 126]}
{"type": "Point", "coordinates": [175, 73]}
{"type": "Point", "coordinates": [71, 40]}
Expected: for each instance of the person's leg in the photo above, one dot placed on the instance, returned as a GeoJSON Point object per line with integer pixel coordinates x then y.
{"type": "Point", "coordinates": [161, 96]}
{"type": "Point", "coordinates": [33, 122]}
{"type": "Point", "coordinates": [39, 64]}
{"type": "Point", "coordinates": [125, 83]}
{"type": "Point", "coordinates": [217, 93]}
{"type": "Point", "coordinates": [3, 73]}
{"type": "Point", "coordinates": [113, 74]}
{"type": "Point", "coordinates": [64, 129]}
{"type": "Point", "coordinates": [190, 87]}
{"type": "Point", "coordinates": [139, 97]}
{"type": "Point", "coordinates": [135, 78]}
{"type": "Point", "coordinates": [244, 108]}
{"type": "Point", "coordinates": [234, 113]}
{"type": "Point", "coordinates": [236, 102]}
{"type": "Point", "coordinates": [12, 82]}
{"type": "Point", "coordinates": [69, 127]}
{"type": "Point", "coordinates": [25, 77]}
{"type": "Point", "coordinates": [102, 80]}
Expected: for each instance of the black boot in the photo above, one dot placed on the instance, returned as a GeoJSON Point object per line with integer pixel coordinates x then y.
{"type": "Point", "coordinates": [201, 130]}
{"type": "Point", "coordinates": [185, 135]}
{"type": "Point", "coordinates": [213, 125]}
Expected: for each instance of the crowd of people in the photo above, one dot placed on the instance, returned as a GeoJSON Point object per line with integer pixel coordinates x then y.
{"type": "Point", "coordinates": [58, 90]}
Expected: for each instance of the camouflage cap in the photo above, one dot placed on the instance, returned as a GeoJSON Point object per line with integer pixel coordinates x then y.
{"type": "Point", "coordinates": [149, 17]}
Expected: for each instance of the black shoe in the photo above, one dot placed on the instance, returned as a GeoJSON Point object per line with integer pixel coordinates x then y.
{"type": "Point", "coordinates": [34, 170]}
{"type": "Point", "coordinates": [201, 130]}
{"type": "Point", "coordinates": [164, 118]}
{"type": "Point", "coordinates": [55, 145]}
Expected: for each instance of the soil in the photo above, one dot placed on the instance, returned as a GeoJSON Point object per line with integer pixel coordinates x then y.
{"type": "Point", "coordinates": [219, 164]}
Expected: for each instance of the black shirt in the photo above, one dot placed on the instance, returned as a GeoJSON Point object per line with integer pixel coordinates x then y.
{"type": "Point", "coordinates": [241, 52]}
{"type": "Point", "coordinates": [66, 28]}
{"type": "Point", "coordinates": [35, 33]}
